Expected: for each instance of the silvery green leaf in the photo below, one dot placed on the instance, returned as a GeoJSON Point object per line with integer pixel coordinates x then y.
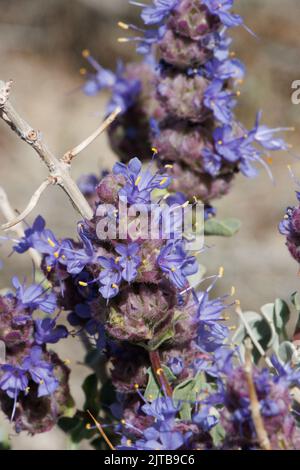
{"type": "Point", "coordinates": [281, 314]}
{"type": "Point", "coordinates": [286, 351]}
{"type": "Point", "coordinates": [153, 390]}
{"type": "Point", "coordinates": [222, 228]}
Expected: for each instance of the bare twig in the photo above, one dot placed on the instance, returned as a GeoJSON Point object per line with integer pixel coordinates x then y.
{"type": "Point", "coordinates": [262, 435]}
{"type": "Point", "coordinates": [32, 203]}
{"type": "Point", "coordinates": [68, 157]}
{"type": "Point", "coordinates": [59, 170]}
{"type": "Point", "coordinates": [252, 337]}
{"type": "Point", "coordinates": [9, 214]}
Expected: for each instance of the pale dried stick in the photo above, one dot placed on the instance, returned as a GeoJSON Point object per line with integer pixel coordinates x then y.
{"type": "Point", "coordinates": [262, 435]}
{"type": "Point", "coordinates": [59, 169]}
{"type": "Point", "coordinates": [9, 214]}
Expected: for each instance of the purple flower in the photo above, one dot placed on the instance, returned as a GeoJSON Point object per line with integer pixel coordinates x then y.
{"type": "Point", "coordinates": [219, 101]}
{"type": "Point", "coordinates": [41, 372]}
{"type": "Point", "coordinates": [220, 8]}
{"type": "Point", "coordinates": [211, 333]}
{"type": "Point", "coordinates": [26, 241]}
{"type": "Point", "coordinates": [163, 409]}
{"type": "Point", "coordinates": [224, 70]}
{"type": "Point", "coordinates": [88, 183]}
{"type": "Point", "coordinates": [161, 436]}
{"type": "Point", "coordinates": [264, 136]}
{"type": "Point", "coordinates": [46, 331]}
{"type": "Point", "coordinates": [110, 277]}
{"type": "Point", "coordinates": [158, 12]}
{"type": "Point", "coordinates": [77, 259]}
{"type": "Point", "coordinates": [124, 91]}
{"type": "Point", "coordinates": [13, 381]}
{"type": "Point", "coordinates": [140, 183]}
{"type": "Point", "coordinates": [44, 241]}
{"type": "Point", "coordinates": [204, 419]}
{"type": "Point", "coordinates": [129, 260]}
{"type": "Point", "coordinates": [176, 365]}
{"type": "Point", "coordinates": [174, 261]}
{"type": "Point", "coordinates": [34, 297]}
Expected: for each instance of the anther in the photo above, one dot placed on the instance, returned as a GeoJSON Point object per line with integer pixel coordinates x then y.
{"type": "Point", "coordinates": [123, 25]}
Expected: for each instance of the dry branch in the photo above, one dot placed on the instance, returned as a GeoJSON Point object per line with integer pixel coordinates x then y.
{"type": "Point", "coordinates": [262, 434]}
{"type": "Point", "coordinates": [59, 168]}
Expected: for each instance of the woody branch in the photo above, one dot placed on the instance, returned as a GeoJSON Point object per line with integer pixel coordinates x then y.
{"type": "Point", "coordinates": [59, 168]}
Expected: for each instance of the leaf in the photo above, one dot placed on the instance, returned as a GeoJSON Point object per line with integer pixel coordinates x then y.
{"type": "Point", "coordinates": [252, 318]}
{"type": "Point", "coordinates": [155, 343]}
{"type": "Point", "coordinates": [281, 315]}
{"type": "Point", "coordinates": [296, 300]}
{"type": "Point", "coordinates": [222, 228]}
{"type": "Point", "coordinates": [286, 351]}
{"type": "Point", "coordinates": [186, 393]}
{"type": "Point", "coordinates": [90, 388]}
{"type": "Point", "coordinates": [153, 390]}
{"type": "Point", "coordinates": [76, 427]}
{"type": "Point", "coordinates": [218, 434]}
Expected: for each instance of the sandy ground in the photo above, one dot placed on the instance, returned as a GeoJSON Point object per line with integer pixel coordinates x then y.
{"type": "Point", "coordinates": [46, 92]}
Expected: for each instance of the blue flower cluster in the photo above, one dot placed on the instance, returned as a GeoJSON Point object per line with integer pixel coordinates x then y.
{"type": "Point", "coordinates": [25, 339]}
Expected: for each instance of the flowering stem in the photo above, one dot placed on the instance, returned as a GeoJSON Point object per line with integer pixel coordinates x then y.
{"type": "Point", "coordinates": [159, 373]}
{"type": "Point", "coordinates": [262, 434]}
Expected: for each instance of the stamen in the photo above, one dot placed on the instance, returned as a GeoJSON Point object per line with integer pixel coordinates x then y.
{"type": "Point", "coordinates": [221, 271]}
{"type": "Point", "coordinates": [163, 181]}
{"type": "Point", "coordinates": [51, 242]}
{"type": "Point", "coordinates": [49, 269]}
{"type": "Point", "coordinates": [232, 292]}
{"type": "Point", "coordinates": [114, 286]}
{"type": "Point", "coordinates": [123, 40]}
{"type": "Point", "coordinates": [82, 71]}
{"type": "Point", "coordinates": [86, 53]}
{"type": "Point", "coordinates": [154, 150]}
{"type": "Point", "coordinates": [56, 254]}
{"type": "Point", "coordinates": [123, 25]}
{"type": "Point", "coordinates": [169, 166]}
{"type": "Point", "coordinates": [137, 180]}
{"type": "Point", "coordinates": [83, 284]}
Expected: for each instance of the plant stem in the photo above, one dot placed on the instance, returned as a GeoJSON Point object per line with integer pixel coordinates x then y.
{"type": "Point", "coordinates": [159, 373]}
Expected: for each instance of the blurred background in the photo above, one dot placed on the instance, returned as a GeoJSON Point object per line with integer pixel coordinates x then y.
{"type": "Point", "coordinates": [40, 49]}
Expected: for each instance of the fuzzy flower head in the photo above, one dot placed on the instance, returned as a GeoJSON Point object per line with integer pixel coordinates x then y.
{"type": "Point", "coordinates": [290, 228]}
